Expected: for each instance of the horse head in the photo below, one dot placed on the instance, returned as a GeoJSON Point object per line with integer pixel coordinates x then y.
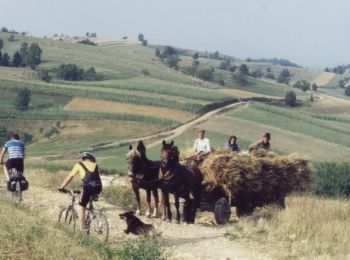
{"type": "Point", "coordinates": [169, 155]}
{"type": "Point", "coordinates": [133, 159]}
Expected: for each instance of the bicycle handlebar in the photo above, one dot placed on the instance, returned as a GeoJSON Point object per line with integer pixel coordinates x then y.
{"type": "Point", "coordinates": [71, 192]}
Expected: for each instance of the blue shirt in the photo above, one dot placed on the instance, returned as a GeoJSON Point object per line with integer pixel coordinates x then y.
{"type": "Point", "coordinates": [15, 149]}
{"type": "Point", "coordinates": [232, 147]}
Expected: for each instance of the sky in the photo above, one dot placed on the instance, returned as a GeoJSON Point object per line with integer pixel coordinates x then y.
{"type": "Point", "coordinates": [313, 33]}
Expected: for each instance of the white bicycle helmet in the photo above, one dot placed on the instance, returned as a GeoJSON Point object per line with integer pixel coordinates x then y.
{"type": "Point", "coordinates": [87, 155]}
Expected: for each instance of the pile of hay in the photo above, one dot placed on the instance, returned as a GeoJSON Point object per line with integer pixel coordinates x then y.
{"type": "Point", "coordinates": [254, 180]}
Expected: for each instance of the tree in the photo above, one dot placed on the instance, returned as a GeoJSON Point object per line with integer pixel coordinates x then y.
{"type": "Point", "coordinates": [215, 55]}
{"type": "Point", "coordinates": [243, 68]}
{"type": "Point", "coordinates": [22, 99]}
{"type": "Point", "coordinates": [4, 29]}
{"type": "Point", "coordinates": [285, 73]}
{"type": "Point", "coordinates": [240, 78]}
{"type": "Point", "coordinates": [87, 34]}
{"type": "Point", "coordinates": [326, 69]}
{"type": "Point", "coordinates": [269, 75]}
{"type": "Point", "coordinates": [1, 43]}
{"type": "Point", "coordinates": [284, 76]}
{"type": "Point", "coordinates": [17, 59]}
{"type": "Point", "coordinates": [347, 90]}
{"type": "Point", "coordinates": [157, 53]}
{"type": "Point", "coordinates": [5, 60]}
{"type": "Point", "coordinates": [70, 72]}
{"type": "Point", "coordinates": [11, 38]}
{"type": "Point", "coordinates": [140, 37]}
{"type": "Point", "coordinates": [341, 83]}
{"type": "Point", "coordinates": [33, 58]}
{"type": "Point", "coordinates": [195, 56]}
{"type": "Point", "coordinates": [224, 65]}
{"type": "Point", "coordinates": [257, 73]}
{"type": "Point", "coordinates": [23, 52]}
{"type": "Point", "coordinates": [169, 51]}
{"type": "Point", "coordinates": [302, 84]}
{"type": "Point", "coordinates": [206, 74]}
{"type": "Point", "coordinates": [172, 61]}
{"type": "Point", "coordinates": [290, 99]}
{"type": "Point", "coordinates": [144, 42]}
{"type": "Point", "coordinates": [314, 86]}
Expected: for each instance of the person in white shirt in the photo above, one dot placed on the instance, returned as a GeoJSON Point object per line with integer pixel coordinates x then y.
{"type": "Point", "coordinates": [201, 145]}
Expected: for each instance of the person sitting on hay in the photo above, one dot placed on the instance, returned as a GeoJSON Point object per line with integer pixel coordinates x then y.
{"type": "Point", "coordinates": [262, 144]}
{"type": "Point", "coordinates": [201, 146]}
{"type": "Point", "coordinates": [232, 144]}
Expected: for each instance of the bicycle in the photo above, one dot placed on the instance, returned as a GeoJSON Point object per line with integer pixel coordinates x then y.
{"type": "Point", "coordinates": [96, 221]}
{"type": "Point", "coordinates": [16, 185]}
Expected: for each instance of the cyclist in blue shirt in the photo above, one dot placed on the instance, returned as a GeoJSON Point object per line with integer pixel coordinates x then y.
{"type": "Point", "coordinates": [16, 151]}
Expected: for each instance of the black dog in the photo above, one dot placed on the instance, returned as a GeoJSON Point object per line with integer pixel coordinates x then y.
{"type": "Point", "coordinates": [135, 225]}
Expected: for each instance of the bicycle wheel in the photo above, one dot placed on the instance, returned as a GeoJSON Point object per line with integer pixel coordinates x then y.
{"type": "Point", "coordinates": [99, 227]}
{"type": "Point", "coordinates": [17, 194]}
{"type": "Point", "coordinates": [68, 216]}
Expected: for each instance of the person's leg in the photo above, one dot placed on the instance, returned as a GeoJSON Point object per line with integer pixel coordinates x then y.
{"type": "Point", "coordinates": [81, 218]}
{"type": "Point", "coordinates": [7, 176]}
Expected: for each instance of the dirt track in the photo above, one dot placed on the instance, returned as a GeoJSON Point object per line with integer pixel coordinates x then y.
{"type": "Point", "coordinates": [171, 134]}
{"type": "Point", "coordinates": [198, 241]}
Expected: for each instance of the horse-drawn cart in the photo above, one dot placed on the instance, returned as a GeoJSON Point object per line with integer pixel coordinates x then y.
{"type": "Point", "coordinates": [249, 181]}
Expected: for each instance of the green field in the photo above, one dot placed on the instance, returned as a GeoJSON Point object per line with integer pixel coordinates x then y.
{"type": "Point", "coordinates": [121, 64]}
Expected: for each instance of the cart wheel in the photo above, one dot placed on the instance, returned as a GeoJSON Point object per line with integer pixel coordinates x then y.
{"type": "Point", "coordinates": [222, 211]}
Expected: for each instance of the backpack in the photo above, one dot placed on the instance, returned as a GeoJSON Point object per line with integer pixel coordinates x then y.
{"type": "Point", "coordinates": [91, 179]}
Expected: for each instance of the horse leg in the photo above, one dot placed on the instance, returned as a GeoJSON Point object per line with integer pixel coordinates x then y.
{"type": "Point", "coordinates": [163, 205]}
{"type": "Point", "coordinates": [156, 202]}
{"type": "Point", "coordinates": [177, 206]}
{"type": "Point", "coordinates": [148, 211]}
{"type": "Point", "coordinates": [167, 206]}
{"type": "Point", "coordinates": [138, 200]}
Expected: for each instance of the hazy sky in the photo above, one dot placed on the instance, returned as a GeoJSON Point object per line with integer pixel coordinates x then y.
{"type": "Point", "coordinates": [309, 32]}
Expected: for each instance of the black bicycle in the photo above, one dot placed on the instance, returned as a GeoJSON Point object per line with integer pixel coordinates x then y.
{"type": "Point", "coordinates": [96, 222]}
{"type": "Point", "coordinates": [16, 185]}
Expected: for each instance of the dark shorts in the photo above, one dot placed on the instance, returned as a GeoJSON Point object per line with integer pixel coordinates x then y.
{"type": "Point", "coordinates": [87, 194]}
{"type": "Point", "coordinates": [15, 164]}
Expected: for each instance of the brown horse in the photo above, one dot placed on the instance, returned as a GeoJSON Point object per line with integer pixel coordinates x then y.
{"type": "Point", "coordinates": [142, 170]}
{"type": "Point", "coordinates": [179, 180]}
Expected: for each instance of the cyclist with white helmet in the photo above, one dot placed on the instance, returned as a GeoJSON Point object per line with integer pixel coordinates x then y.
{"type": "Point", "coordinates": [88, 172]}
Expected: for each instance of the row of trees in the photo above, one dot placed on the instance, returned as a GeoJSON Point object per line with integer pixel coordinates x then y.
{"type": "Point", "coordinates": [339, 69]}
{"type": "Point", "coordinates": [71, 72]}
{"type": "Point", "coordinates": [25, 56]}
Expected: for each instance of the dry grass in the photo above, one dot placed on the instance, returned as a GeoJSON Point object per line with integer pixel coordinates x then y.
{"type": "Point", "coordinates": [324, 78]}
{"type": "Point", "coordinates": [91, 105]}
{"type": "Point", "coordinates": [265, 173]}
{"type": "Point", "coordinates": [309, 228]}
{"type": "Point", "coordinates": [330, 105]}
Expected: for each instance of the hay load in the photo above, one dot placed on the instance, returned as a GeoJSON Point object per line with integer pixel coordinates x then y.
{"type": "Point", "coordinates": [254, 180]}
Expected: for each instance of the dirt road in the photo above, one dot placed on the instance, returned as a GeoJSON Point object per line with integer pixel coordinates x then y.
{"type": "Point", "coordinates": [196, 241]}
{"type": "Point", "coordinates": [171, 134]}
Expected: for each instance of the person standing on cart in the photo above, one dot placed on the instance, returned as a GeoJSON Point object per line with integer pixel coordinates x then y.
{"type": "Point", "coordinates": [201, 146]}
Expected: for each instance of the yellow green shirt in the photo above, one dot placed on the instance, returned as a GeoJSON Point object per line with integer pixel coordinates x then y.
{"type": "Point", "coordinates": [79, 171]}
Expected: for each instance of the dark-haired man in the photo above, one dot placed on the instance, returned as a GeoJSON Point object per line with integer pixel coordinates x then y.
{"type": "Point", "coordinates": [16, 151]}
{"type": "Point", "coordinates": [262, 144]}
{"type": "Point", "coordinates": [88, 172]}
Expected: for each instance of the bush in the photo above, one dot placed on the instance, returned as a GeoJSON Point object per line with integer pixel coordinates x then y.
{"type": "Point", "coordinates": [257, 73]}
{"type": "Point", "coordinates": [314, 87]}
{"type": "Point", "coordinates": [347, 91]}
{"type": "Point", "coordinates": [284, 76]}
{"type": "Point", "coordinates": [290, 98]}
{"type": "Point", "coordinates": [22, 99]}
{"type": "Point", "coordinates": [44, 75]}
{"type": "Point", "coordinates": [145, 72]}
{"type": "Point", "coordinates": [302, 84]}
{"type": "Point", "coordinates": [52, 130]}
{"type": "Point", "coordinates": [87, 42]}
{"type": "Point", "coordinates": [331, 179]}
{"type": "Point", "coordinates": [341, 83]}
{"type": "Point", "coordinates": [243, 68]}
{"type": "Point", "coordinates": [269, 75]}
{"type": "Point", "coordinates": [143, 248]}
